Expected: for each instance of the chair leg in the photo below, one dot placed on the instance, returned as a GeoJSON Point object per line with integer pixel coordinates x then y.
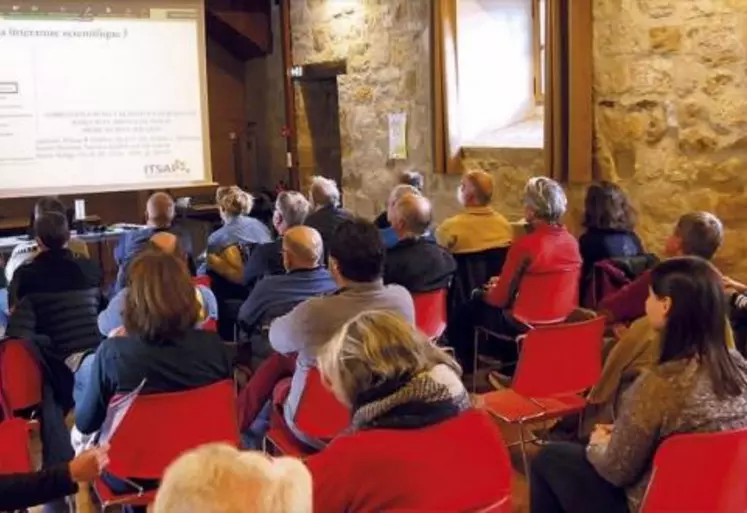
{"type": "Point", "coordinates": [475, 348]}
{"type": "Point", "coordinates": [524, 458]}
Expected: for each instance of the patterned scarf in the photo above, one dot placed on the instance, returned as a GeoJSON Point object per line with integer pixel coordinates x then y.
{"type": "Point", "coordinates": [411, 402]}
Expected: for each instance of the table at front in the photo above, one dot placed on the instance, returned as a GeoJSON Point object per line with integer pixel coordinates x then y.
{"type": "Point", "coordinates": [100, 246]}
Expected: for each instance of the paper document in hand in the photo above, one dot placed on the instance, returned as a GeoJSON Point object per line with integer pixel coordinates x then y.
{"type": "Point", "coordinates": [116, 412]}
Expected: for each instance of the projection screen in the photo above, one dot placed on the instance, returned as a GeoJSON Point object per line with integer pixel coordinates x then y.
{"type": "Point", "coordinates": [102, 96]}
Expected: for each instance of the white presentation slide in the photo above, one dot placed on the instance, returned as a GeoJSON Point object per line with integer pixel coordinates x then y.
{"type": "Point", "coordinates": [100, 100]}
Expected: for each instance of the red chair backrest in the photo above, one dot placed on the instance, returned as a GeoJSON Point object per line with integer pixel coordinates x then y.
{"type": "Point", "coordinates": [205, 281]}
{"type": "Point", "coordinates": [15, 457]}
{"type": "Point", "coordinates": [320, 415]}
{"type": "Point", "coordinates": [157, 428]}
{"type": "Point", "coordinates": [430, 312]}
{"type": "Point", "coordinates": [560, 359]}
{"type": "Point", "coordinates": [209, 325]}
{"type": "Point", "coordinates": [20, 376]}
{"type": "Point", "coordinates": [699, 472]}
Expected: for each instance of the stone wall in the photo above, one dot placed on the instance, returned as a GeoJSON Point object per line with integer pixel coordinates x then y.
{"type": "Point", "coordinates": [671, 112]}
{"type": "Point", "coordinates": [386, 44]}
{"type": "Point", "coordinates": [670, 88]}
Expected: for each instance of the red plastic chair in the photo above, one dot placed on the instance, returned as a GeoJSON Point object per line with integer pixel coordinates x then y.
{"type": "Point", "coordinates": [430, 312]}
{"type": "Point", "coordinates": [320, 415]}
{"type": "Point", "coordinates": [557, 364]}
{"type": "Point", "coordinates": [717, 464]}
{"type": "Point", "coordinates": [15, 457]}
{"type": "Point", "coordinates": [205, 281]}
{"type": "Point", "coordinates": [209, 325]}
{"type": "Point", "coordinates": [20, 376]}
{"type": "Point", "coordinates": [159, 427]}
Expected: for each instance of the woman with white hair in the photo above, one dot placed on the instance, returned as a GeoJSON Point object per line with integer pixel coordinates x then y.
{"type": "Point", "coordinates": [415, 443]}
{"type": "Point", "coordinates": [539, 281]}
{"type": "Point", "coordinates": [217, 478]}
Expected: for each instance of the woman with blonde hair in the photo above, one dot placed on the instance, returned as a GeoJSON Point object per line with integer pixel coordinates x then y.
{"type": "Point", "coordinates": [415, 442]}
{"type": "Point", "coordinates": [224, 252]}
{"type": "Point", "coordinates": [217, 478]}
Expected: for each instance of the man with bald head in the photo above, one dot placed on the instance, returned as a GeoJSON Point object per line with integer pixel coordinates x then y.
{"type": "Point", "coordinates": [273, 297]}
{"type": "Point", "coordinates": [305, 277]}
{"type": "Point", "coordinates": [479, 227]}
{"type": "Point", "coordinates": [159, 213]}
{"type": "Point", "coordinates": [416, 262]}
{"type": "Point", "coordinates": [111, 318]}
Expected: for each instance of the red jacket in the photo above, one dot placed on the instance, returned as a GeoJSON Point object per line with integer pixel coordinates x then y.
{"type": "Point", "coordinates": [457, 465]}
{"type": "Point", "coordinates": [628, 303]}
{"type": "Point", "coordinates": [540, 278]}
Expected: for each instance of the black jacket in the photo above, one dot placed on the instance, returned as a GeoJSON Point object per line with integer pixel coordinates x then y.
{"type": "Point", "coordinates": [264, 260]}
{"type": "Point", "coordinates": [326, 220]}
{"type": "Point", "coordinates": [52, 272]}
{"type": "Point", "coordinates": [598, 244]}
{"type": "Point", "coordinates": [419, 265]}
{"type": "Point", "coordinates": [20, 491]}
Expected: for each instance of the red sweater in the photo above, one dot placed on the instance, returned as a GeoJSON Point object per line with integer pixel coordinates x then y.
{"type": "Point", "coordinates": [629, 303]}
{"type": "Point", "coordinates": [456, 465]}
{"type": "Point", "coordinates": [539, 281]}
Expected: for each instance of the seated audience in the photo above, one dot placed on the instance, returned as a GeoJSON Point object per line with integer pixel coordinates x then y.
{"type": "Point", "coordinates": [291, 209]}
{"type": "Point", "coordinates": [111, 318]}
{"type": "Point", "coordinates": [415, 443]}
{"type": "Point", "coordinates": [160, 214]}
{"type": "Point", "coordinates": [225, 245]}
{"type": "Point", "coordinates": [26, 251]}
{"type": "Point", "coordinates": [159, 343]}
{"type": "Point", "coordinates": [326, 214]}
{"type": "Point", "coordinates": [21, 491]}
{"type": "Point", "coordinates": [539, 282]}
{"type": "Point", "coordinates": [388, 235]}
{"type": "Point", "coordinates": [698, 386]}
{"type": "Point", "coordinates": [356, 263]}
{"type": "Point", "coordinates": [274, 296]}
{"type": "Point", "coordinates": [217, 478]}
{"type": "Point", "coordinates": [55, 268]}
{"type": "Point", "coordinates": [417, 263]}
{"type": "Point", "coordinates": [54, 300]}
{"type": "Point", "coordinates": [412, 179]}
{"type": "Point", "coordinates": [479, 227]}
{"type": "Point", "coordinates": [697, 234]}
{"type": "Point", "coordinates": [609, 220]}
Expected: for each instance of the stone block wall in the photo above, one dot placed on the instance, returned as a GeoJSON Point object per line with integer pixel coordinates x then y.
{"type": "Point", "coordinates": [670, 92]}
{"type": "Point", "coordinates": [387, 47]}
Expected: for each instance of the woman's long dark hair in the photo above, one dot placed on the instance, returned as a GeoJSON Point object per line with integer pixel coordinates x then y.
{"type": "Point", "coordinates": [606, 207]}
{"type": "Point", "coordinates": [696, 321]}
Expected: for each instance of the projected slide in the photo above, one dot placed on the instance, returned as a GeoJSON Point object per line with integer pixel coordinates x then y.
{"type": "Point", "coordinates": [101, 98]}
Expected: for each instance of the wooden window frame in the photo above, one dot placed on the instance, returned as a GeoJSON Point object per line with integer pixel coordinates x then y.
{"type": "Point", "coordinates": [538, 48]}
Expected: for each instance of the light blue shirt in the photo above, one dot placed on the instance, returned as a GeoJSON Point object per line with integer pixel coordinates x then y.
{"type": "Point", "coordinates": [238, 230]}
{"type": "Point", "coordinates": [112, 317]}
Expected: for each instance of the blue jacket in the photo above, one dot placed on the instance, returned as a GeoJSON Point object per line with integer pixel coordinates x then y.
{"type": "Point", "coordinates": [283, 291]}
{"type": "Point", "coordinates": [111, 317]}
{"type": "Point", "coordinates": [132, 242]}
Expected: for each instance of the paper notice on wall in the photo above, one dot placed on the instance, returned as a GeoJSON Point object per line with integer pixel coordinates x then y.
{"type": "Point", "coordinates": [398, 135]}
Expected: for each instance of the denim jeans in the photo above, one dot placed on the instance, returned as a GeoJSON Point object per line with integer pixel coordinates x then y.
{"type": "Point", "coordinates": [4, 311]}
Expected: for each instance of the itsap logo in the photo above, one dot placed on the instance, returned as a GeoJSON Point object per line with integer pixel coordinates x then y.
{"type": "Point", "coordinates": [177, 168]}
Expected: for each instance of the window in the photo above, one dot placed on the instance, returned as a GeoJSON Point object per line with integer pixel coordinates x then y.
{"type": "Point", "coordinates": [500, 48]}
{"type": "Point", "coordinates": [514, 73]}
